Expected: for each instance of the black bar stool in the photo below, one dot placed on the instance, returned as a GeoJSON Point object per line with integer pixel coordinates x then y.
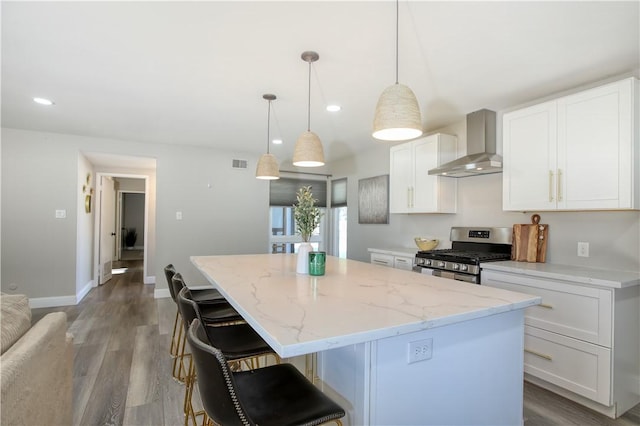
{"type": "Point", "coordinates": [238, 342]}
{"type": "Point", "coordinates": [277, 395]}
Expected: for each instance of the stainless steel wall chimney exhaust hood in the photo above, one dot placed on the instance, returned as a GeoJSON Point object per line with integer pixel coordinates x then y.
{"type": "Point", "coordinates": [481, 155]}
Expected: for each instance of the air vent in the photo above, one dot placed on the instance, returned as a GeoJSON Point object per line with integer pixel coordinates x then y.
{"type": "Point", "coordinates": [239, 164]}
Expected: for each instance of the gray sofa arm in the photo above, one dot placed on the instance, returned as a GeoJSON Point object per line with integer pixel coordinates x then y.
{"type": "Point", "coordinates": [37, 375]}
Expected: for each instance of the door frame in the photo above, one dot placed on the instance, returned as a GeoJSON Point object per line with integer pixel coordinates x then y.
{"type": "Point", "coordinates": [96, 233]}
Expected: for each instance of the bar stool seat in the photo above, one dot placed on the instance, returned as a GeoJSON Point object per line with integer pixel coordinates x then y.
{"type": "Point", "coordinates": [207, 296]}
{"type": "Point", "coordinates": [218, 313]}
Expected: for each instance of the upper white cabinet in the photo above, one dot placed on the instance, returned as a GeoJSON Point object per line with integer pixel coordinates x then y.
{"type": "Point", "coordinates": [578, 152]}
{"type": "Point", "coordinates": [411, 188]}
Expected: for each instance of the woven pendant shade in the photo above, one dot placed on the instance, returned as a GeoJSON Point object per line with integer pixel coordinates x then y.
{"type": "Point", "coordinates": [267, 167]}
{"type": "Point", "coordinates": [397, 115]}
{"type": "Point", "coordinates": [308, 151]}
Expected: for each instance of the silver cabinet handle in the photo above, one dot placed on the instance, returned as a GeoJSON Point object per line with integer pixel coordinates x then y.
{"type": "Point", "coordinates": [381, 262]}
{"type": "Point", "coordinates": [550, 186]}
{"type": "Point", "coordinates": [538, 354]}
{"type": "Point", "coordinates": [546, 306]}
{"type": "Point", "coordinates": [409, 196]}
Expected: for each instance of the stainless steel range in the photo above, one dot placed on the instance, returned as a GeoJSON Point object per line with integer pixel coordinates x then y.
{"type": "Point", "coordinates": [470, 247]}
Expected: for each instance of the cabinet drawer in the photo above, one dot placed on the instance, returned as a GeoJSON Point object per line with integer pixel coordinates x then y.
{"type": "Point", "coordinates": [576, 311]}
{"type": "Point", "coordinates": [580, 367]}
{"type": "Point", "coordinates": [382, 259]}
{"type": "Point", "coordinates": [401, 262]}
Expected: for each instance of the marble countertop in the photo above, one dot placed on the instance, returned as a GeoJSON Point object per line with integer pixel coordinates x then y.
{"type": "Point", "coordinates": [354, 302]}
{"type": "Point", "coordinates": [577, 274]}
{"type": "Point", "coordinates": [395, 251]}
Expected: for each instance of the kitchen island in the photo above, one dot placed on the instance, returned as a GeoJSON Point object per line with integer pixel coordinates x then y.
{"type": "Point", "coordinates": [369, 326]}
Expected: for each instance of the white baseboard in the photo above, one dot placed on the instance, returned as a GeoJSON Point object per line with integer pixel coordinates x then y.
{"type": "Point", "coordinates": [83, 291]}
{"type": "Point", "coordinates": [150, 279]}
{"type": "Point", "coordinates": [50, 302]}
{"type": "Point", "coordinates": [161, 293]}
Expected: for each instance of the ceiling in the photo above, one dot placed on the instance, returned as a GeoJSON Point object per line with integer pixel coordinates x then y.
{"type": "Point", "coordinates": [194, 73]}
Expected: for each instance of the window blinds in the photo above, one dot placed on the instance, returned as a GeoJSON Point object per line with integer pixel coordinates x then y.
{"type": "Point", "coordinates": [339, 192]}
{"type": "Point", "coordinates": [282, 192]}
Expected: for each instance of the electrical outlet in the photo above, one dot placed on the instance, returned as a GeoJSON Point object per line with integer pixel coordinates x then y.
{"type": "Point", "coordinates": [178, 215]}
{"type": "Point", "coordinates": [420, 350]}
{"type": "Point", "coordinates": [61, 214]}
{"type": "Point", "coordinates": [583, 249]}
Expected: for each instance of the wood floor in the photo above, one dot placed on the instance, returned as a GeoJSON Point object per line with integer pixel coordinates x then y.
{"type": "Point", "coordinates": [122, 369]}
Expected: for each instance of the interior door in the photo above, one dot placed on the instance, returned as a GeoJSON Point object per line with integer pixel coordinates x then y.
{"type": "Point", "coordinates": [107, 227]}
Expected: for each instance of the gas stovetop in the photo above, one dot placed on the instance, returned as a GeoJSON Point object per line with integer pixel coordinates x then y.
{"type": "Point", "coordinates": [469, 248]}
{"type": "Point", "coordinates": [463, 256]}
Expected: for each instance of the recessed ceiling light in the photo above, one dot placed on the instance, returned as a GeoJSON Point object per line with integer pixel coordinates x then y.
{"type": "Point", "coordinates": [277, 141]}
{"type": "Point", "coordinates": [333, 108]}
{"type": "Point", "coordinates": [43, 101]}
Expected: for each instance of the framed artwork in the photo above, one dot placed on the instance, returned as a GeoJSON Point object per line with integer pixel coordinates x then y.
{"type": "Point", "coordinates": [373, 199]}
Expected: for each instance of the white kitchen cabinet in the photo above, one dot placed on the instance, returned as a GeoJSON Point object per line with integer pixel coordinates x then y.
{"type": "Point", "coordinates": [582, 341]}
{"type": "Point", "coordinates": [577, 152]}
{"type": "Point", "coordinates": [411, 188]}
{"type": "Point", "coordinates": [393, 258]}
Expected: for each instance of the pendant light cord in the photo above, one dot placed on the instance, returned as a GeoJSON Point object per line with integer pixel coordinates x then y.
{"type": "Point", "coordinates": [268, 125]}
{"type": "Point", "coordinates": [309, 102]}
{"type": "Point", "coordinates": [397, 26]}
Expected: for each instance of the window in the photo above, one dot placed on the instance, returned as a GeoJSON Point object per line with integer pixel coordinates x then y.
{"type": "Point", "coordinates": [339, 217]}
{"type": "Point", "coordinates": [282, 197]}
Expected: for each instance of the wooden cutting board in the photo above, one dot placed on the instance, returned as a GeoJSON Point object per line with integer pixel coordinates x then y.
{"type": "Point", "coordinates": [530, 241]}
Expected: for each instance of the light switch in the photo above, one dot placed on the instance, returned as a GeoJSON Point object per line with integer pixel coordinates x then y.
{"type": "Point", "coordinates": [178, 215]}
{"type": "Point", "coordinates": [61, 214]}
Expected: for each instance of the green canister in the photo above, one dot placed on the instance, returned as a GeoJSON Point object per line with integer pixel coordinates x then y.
{"type": "Point", "coordinates": [317, 260]}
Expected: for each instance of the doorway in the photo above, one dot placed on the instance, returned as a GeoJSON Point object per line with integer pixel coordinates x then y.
{"type": "Point", "coordinates": [129, 216]}
{"type": "Point", "coordinates": [131, 221]}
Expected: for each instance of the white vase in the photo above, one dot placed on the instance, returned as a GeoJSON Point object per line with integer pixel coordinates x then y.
{"type": "Point", "coordinates": [303, 258]}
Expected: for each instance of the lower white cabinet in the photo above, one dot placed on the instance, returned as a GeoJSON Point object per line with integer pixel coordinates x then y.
{"type": "Point", "coordinates": [582, 341]}
{"type": "Point", "coordinates": [393, 258]}
{"type": "Point", "coordinates": [575, 365]}
{"type": "Point", "coordinates": [382, 259]}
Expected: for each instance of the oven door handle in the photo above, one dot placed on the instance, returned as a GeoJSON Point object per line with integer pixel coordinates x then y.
{"type": "Point", "coordinates": [454, 276]}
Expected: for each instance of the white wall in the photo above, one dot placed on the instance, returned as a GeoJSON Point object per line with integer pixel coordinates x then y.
{"type": "Point", "coordinates": [614, 236]}
{"type": "Point", "coordinates": [38, 250]}
{"type": "Point", "coordinates": [224, 210]}
{"type": "Point", "coordinates": [40, 174]}
{"type": "Point", "coordinates": [84, 236]}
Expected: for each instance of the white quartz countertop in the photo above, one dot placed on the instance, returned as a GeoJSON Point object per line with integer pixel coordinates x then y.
{"type": "Point", "coordinates": [396, 251]}
{"type": "Point", "coordinates": [577, 274]}
{"type": "Point", "coordinates": [354, 302]}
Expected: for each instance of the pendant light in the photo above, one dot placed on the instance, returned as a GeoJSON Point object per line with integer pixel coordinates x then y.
{"type": "Point", "coordinates": [397, 116]}
{"type": "Point", "coordinates": [308, 150]}
{"type": "Point", "coordinates": [267, 167]}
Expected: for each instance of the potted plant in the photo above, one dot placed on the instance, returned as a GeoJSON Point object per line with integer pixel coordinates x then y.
{"type": "Point", "coordinates": [307, 217]}
{"type": "Point", "coordinates": [130, 237]}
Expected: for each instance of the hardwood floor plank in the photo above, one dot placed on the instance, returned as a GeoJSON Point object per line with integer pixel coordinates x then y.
{"type": "Point", "coordinates": [545, 408]}
{"type": "Point", "coordinates": [88, 359]}
{"type": "Point", "coordinates": [145, 415]}
{"type": "Point", "coordinates": [108, 397]}
{"type": "Point", "coordinates": [82, 386]}
{"type": "Point", "coordinates": [144, 383]}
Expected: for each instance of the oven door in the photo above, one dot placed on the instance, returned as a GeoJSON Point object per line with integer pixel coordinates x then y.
{"type": "Point", "coordinates": [469, 278]}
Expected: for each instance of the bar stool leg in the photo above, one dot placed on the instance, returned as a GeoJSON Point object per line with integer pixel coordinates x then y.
{"type": "Point", "coordinates": [173, 349]}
